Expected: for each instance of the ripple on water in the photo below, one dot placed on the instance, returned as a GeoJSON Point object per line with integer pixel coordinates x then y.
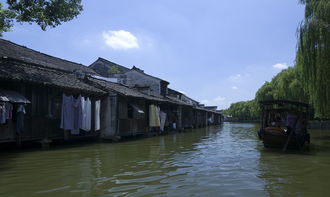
{"type": "Point", "coordinates": [219, 161]}
{"type": "Point", "coordinates": [53, 190]}
{"type": "Point", "coordinates": [139, 180]}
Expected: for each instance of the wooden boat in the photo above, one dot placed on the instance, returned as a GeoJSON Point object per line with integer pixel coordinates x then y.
{"type": "Point", "coordinates": [284, 124]}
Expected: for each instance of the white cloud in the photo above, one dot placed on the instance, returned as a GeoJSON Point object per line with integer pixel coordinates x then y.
{"type": "Point", "coordinates": [280, 66]}
{"type": "Point", "coordinates": [219, 101]}
{"type": "Point", "coordinates": [234, 88]}
{"type": "Point", "coordinates": [235, 78]}
{"type": "Point", "coordinates": [120, 40]}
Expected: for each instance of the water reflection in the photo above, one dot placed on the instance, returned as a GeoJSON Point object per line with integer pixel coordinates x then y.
{"type": "Point", "coordinates": [298, 173]}
{"type": "Point", "coordinates": [225, 161]}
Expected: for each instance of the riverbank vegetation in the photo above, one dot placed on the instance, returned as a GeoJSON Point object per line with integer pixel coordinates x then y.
{"type": "Point", "coordinates": [243, 111]}
{"type": "Point", "coordinates": [309, 80]}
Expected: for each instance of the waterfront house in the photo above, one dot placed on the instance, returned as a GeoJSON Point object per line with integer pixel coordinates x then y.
{"type": "Point", "coordinates": [134, 77]}
{"type": "Point", "coordinates": [126, 111]}
{"type": "Point", "coordinates": [108, 69]}
{"type": "Point", "coordinates": [131, 102]}
{"type": "Point", "coordinates": [197, 115]}
{"type": "Point", "coordinates": [186, 114]}
{"type": "Point", "coordinates": [41, 80]}
{"type": "Point", "coordinates": [148, 85]}
{"type": "Point", "coordinates": [181, 111]}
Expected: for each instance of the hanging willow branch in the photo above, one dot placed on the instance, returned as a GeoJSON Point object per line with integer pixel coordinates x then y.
{"type": "Point", "coordinates": [313, 56]}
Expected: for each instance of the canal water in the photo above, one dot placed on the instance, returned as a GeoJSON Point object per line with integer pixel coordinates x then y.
{"type": "Point", "coordinates": [226, 160]}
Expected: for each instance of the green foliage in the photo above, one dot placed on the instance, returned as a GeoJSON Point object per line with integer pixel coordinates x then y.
{"type": "Point", "coordinates": [113, 70]}
{"type": "Point", "coordinates": [45, 13]}
{"type": "Point", "coordinates": [309, 80]}
{"type": "Point", "coordinates": [244, 110]}
{"type": "Point", "coordinates": [313, 54]}
{"type": "Point", "coordinates": [286, 85]}
{"type": "Point", "coordinates": [6, 17]}
{"type": "Point", "coordinates": [265, 92]}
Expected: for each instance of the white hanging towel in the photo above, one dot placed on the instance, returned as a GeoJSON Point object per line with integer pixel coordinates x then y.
{"type": "Point", "coordinates": [77, 109]}
{"type": "Point", "coordinates": [89, 114]}
{"type": "Point", "coordinates": [162, 117]}
{"type": "Point", "coordinates": [97, 114]}
{"type": "Point", "coordinates": [67, 113]}
{"type": "Point", "coordinates": [84, 114]}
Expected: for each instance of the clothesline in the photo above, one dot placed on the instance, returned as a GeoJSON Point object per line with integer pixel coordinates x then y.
{"type": "Point", "coordinates": [77, 114]}
{"type": "Point", "coordinates": [6, 114]}
{"type": "Point", "coordinates": [157, 117]}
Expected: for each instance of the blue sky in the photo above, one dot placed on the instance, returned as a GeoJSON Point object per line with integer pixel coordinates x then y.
{"type": "Point", "coordinates": [216, 51]}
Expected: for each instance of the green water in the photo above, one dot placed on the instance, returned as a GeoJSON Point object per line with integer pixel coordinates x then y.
{"type": "Point", "coordinates": [226, 160]}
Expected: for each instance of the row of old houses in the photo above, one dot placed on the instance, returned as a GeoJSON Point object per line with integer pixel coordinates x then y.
{"type": "Point", "coordinates": [45, 98]}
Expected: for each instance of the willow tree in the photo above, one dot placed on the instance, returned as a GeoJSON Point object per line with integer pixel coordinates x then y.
{"type": "Point", "coordinates": [265, 92]}
{"type": "Point", "coordinates": [313, 58]}
{"type": "Point", "coordinates": [286, 85]}
{"type": "Point", "coordinates": [244, 110]}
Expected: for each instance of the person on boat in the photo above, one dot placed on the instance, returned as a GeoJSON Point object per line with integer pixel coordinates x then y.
{"type": "Point", "coordinates": [290, 122]}
{"type": "Point", "coordinates": [276, 124]}
{"type": "Point", "coordinates": [301, 125]}
{"type": "Point", "coordinates": [277, 121]}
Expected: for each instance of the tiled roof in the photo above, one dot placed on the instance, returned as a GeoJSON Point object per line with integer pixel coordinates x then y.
{"type": "Point", "coordinates": [126, 91]}
{"type": "Point", "coordinates": [12, 50]}
{"type": "Point", "coordinates": [178, 101]}
{"type": "Point", "coordinates": [20, 71]}
{"type": "Point", "coordinates": [142, 72]}
{"type": "Point", "coordinates": [121, 89]}
{"type": "Point", "coordinates": [103, 69]}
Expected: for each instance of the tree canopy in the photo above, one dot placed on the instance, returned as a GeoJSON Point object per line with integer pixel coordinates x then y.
{"type": "Point", "coordinates": [244, 110]}
{"type": "Point", "coordinates": [313, 56]}
{"type": "Point", "coordinates": [45, 13]}
{"type": "Point", "coordinates": [309, 80]}
{"type": "Point", "coordinates": [286, 85]}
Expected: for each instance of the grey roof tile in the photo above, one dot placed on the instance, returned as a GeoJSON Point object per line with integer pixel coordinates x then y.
{"type": "Point", "coordinates": [12, 50]}
{"type": "Point", "coordinates": [27, 72]}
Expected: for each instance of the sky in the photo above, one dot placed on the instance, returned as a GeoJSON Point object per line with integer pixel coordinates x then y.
{"type": "Point", "coordinates": [215, 51]}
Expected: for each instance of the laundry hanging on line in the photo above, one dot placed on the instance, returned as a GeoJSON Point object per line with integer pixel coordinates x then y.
{"type": "Point", "coordinates": [154, 120]}
{"type": "Point", "coordinates": [20, 118]}
{"type": "Point", "coordinates": [6, 112]}
{"type": "Point", "coordinates": [2, 113]}
{"type": "Point", "coordinates": [88, 108]}
{"type": "Point", "coordinates": [9, 110]}
{"type": "Point", "coordinates": [67, 114]}
{"type": "Point", "coordinates": [76, 114]}
{"type": "Point", "coordinates": [97, 115]}
{"type": "Point", "coordinates": [162, 117]}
